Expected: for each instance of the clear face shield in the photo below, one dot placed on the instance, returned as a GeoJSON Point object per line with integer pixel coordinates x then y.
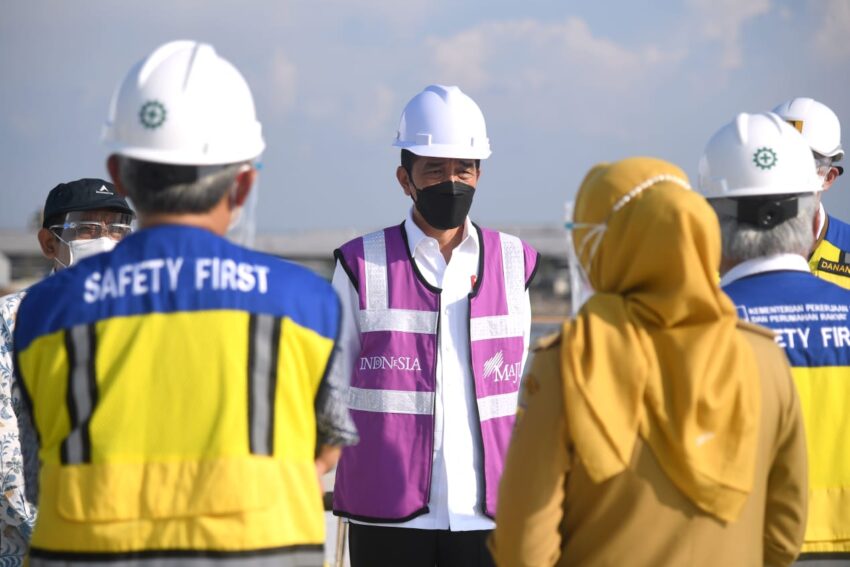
{"type": "Point", "coordinates": [86, 233]}
{"type": "Point", "coordinates": [580, 288]}
{"type": "Point", "coordinates": [242, 229]}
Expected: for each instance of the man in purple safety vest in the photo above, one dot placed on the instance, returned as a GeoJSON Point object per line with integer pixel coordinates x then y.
{"type": "Point", "coordinates": [439, 330]}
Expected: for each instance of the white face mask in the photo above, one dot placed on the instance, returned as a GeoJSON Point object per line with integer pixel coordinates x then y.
{"type": "Point", "coordinates": [79, 249]}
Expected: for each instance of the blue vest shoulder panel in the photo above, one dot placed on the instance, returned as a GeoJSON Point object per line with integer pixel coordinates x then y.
{"type": "Point", "coordinates": [810, 316]}
{"type": "Point", "coordinates": [173, 268]}
{"type": "Point", "coordinates": [838, 233]}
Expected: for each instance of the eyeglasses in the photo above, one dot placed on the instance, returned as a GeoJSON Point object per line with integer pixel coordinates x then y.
{"type": "Point", "coordinates": [89, 230]}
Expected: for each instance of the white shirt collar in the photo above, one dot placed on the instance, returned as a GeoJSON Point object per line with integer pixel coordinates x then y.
{"type": "Point", "coordinates": [417, 238]}
{"type": "Point", "coordinates": [773, 263]}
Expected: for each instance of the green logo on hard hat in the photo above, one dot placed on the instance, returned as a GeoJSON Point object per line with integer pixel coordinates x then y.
{"type": "Point", "coordinates": [764, 158]}
{"type": "Point", "coordinates": [152, 114]}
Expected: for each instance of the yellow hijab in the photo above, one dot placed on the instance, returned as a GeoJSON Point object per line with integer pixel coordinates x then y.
{"type": "Point", "coordinates": [655, 351]}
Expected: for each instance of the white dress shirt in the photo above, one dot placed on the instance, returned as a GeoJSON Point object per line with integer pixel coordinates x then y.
{"type": "Point", "coordinates": [455, 492]}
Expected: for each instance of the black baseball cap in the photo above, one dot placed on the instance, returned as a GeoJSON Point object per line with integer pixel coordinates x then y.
{"type": "Point", "coordinates": [83, 195]}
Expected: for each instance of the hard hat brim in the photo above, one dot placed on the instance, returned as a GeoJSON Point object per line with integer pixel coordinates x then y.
{"type": "Point", "coordinates": [715, 193]}
{"type": "Point", "coordinates": [182, 157]}
{"type": "Point", "coordinates": [445, 151]}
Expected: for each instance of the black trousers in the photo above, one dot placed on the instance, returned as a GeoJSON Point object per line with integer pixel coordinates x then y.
{"type": "Point", "coordinates": [378, 546]}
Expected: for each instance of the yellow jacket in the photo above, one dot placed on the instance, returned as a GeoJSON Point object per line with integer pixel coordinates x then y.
{"type": "Point", "coordinates": [178, 420]}
{"type": "Point", "coordinates": [552, 513]}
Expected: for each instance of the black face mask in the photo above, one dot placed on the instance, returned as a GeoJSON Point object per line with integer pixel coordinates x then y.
{"type": "Point", "coordinates": [444, 205]}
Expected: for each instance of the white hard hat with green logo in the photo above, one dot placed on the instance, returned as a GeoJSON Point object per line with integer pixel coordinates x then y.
{"type": "Point", "coordinates": [757, 155]}
{"type": "Point", "coordinates": [184, 105]}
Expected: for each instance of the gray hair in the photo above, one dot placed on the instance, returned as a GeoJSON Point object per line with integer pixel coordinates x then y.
{"type": "Point", "coordinates": [742, 241]}
{"type": "Point", "coordinates": [176, 189]}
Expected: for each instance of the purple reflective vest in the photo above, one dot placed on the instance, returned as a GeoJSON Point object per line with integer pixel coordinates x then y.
{"type": "Point", "coordinates": [387, 476]}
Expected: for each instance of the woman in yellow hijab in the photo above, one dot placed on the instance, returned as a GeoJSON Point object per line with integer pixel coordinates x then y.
{"type": "Point", "coordinates": [656, 429]}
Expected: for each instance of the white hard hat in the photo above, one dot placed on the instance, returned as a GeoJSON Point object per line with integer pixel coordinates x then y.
{"type": "Point", "coordinates": [184, 105]}
{"type": "Point", "coordinates": [757, 155]}
{"type": "Point", "coordinates": [443, 122]}
{"type": "Point", "coordinates": [816, 122]}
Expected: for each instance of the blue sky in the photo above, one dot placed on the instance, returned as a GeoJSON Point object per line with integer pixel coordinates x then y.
{"type": "Point", "coordinates": [562, 85]}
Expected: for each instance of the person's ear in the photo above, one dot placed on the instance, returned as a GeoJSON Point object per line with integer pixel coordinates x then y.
{"type": "Point", "coordinates": [830, 178]}
{"type": "Point", "coordinates": [49, 243]}
{"type": "Point", "coordinates": [244, 182]}
{"type": "Point", "coordinates": [404, 180]}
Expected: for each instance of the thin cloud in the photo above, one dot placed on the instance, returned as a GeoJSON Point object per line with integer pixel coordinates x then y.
{"type": "Point", "coordinates": [831, 40]}
{"type": "Point", "coordinates": [534, 55]}
{"type": "Point", "coordinates": [722, 21]}
{"type": "Point", "coordinates": [398, 15]}
{"type": "Point", "coordinates": [527, 66]}
{"type": "Point", "coordinates": [283, 78]}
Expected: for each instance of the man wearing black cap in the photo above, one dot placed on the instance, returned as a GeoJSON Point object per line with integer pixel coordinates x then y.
{"type": "Point", "coordinates": [81, 218]}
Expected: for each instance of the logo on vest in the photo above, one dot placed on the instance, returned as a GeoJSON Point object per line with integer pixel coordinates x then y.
{"type": "Point", "coordinates": [495, 366]}
{"type": "Point", "coordinates": [403, 363]}
{"type": "Point", "coordinates": [841, 267]}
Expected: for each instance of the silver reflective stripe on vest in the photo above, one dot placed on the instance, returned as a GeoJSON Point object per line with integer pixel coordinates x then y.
{"type": "Point", "coordinates": [378, 316]}
{"type": "Point", "coordinates": [375, 259]}
{"type": "Point", "coordinates": [401, 320]}
{"type": "Point", "coordinates": [496, 327]}
{"type": "Point", "coordinates": [391, 401]}
{"type": "Point", "coordinates": [287, 558]}
{"type": "Point", "coordinates": [76, 447]}
{"type": "Point", "coordinates": [505, 326]}
{"type": "Point", "coordinates": [262, 382]}
{"type": "Point", "coordinates": [500, 405]}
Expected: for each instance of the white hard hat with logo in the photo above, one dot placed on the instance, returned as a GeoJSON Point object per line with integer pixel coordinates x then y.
{"type": "Point", "coordinates": [757, 155]}
{"type": "Point", "coordinates": [816, 122]}
{"type": "Point", "coordinates": [184, 105]}
{"type": "Point", "coordinates": [443, 122]}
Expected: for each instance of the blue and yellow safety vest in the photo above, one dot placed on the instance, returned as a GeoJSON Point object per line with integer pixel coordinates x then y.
{"type": "Point", "coordinates": [831, 258]}
{"type": "Point", "coordinates": [811, 319]}
{"type": "Point", "coordinates": [172, 383]}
